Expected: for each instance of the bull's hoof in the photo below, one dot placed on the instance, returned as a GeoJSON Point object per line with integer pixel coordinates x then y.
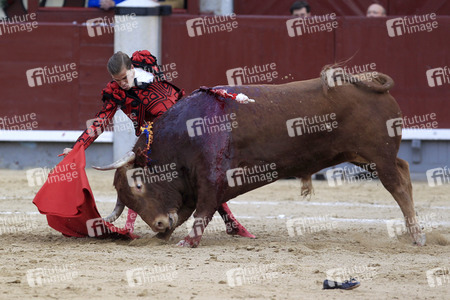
{"type": "Point", "coordinates": [419, 239]}
{"type": "Point", "coordinates": [187, 244]}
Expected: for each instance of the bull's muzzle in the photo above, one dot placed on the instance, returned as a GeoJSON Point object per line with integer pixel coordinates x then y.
{"type": "Point", "coordinates": [165, 222]}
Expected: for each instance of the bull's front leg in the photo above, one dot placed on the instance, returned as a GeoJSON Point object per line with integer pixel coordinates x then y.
{"type": "Point", "coordinates": [195, 235]}
{"type": "Point", "coordinates": [233, 226]}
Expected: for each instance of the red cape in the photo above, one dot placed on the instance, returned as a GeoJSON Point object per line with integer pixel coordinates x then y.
{"type": "Point", "coordinates": [67, 200]}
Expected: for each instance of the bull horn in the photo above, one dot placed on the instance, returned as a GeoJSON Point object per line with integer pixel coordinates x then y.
{"type": "Point", "coordinates": [129, 156]}
{"type": "Point", "coordinates": [118, 209]}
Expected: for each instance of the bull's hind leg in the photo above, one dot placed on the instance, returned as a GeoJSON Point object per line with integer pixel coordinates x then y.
{"type": "Point", "coordinates": [307, 187]}
{"type": "Point", "coordinates": [396, 179]}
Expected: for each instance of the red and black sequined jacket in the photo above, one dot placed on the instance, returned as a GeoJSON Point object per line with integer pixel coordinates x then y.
{"type": "Point", "coordinates": [143, 102]}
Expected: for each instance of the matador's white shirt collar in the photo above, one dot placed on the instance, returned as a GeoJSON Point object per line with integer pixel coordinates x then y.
{"type": "Point", "coordinates": [141, 76]}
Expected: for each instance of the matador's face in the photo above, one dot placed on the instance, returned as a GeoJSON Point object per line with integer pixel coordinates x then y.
{"type": "Point", "coordinates": [125, 78]}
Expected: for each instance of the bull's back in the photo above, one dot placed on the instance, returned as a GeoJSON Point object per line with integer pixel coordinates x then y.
{"type": "Point", "coordinates": [330, 115]}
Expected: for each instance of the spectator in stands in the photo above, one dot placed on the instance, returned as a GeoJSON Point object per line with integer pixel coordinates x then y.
{"type": "Point", "coordinates": [104, 4]}
{"type": "Point", "coordinates": [376, 10]}
{"type": "Point", "coordinates": [300, 9]}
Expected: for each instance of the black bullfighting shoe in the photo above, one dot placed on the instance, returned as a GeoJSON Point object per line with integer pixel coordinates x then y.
{"type": "Point", "coordinates": [346, 285]}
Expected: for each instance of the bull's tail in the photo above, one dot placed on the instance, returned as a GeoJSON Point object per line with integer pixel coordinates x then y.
{"type": "Point", "coordinates": [335, 75]}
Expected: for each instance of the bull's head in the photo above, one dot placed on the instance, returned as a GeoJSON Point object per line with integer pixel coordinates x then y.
{"type": "Point", "coordinates": [156, 201]}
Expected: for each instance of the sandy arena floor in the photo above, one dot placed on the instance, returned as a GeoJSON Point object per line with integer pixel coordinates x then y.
{"type": "Point", "coordinates": [339, 230]}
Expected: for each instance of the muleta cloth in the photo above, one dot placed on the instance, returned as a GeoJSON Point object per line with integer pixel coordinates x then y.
{"type": "Point", "coordinates": [67, 201]}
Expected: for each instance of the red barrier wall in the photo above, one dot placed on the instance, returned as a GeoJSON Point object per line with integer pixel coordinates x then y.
{"type": "Point", "coordinates": [203, 60]}
{"type": "Point", "coordinates": [405, 58]}
{"type": "Point", "coordinates": [64, 105]}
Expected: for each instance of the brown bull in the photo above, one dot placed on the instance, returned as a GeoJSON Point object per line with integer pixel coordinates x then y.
{"type": "Point", "coordinates": [292, 130]}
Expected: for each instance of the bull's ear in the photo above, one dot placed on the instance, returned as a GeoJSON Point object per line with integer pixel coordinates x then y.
{"type": "Point", "coordinates": [141, 158]}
